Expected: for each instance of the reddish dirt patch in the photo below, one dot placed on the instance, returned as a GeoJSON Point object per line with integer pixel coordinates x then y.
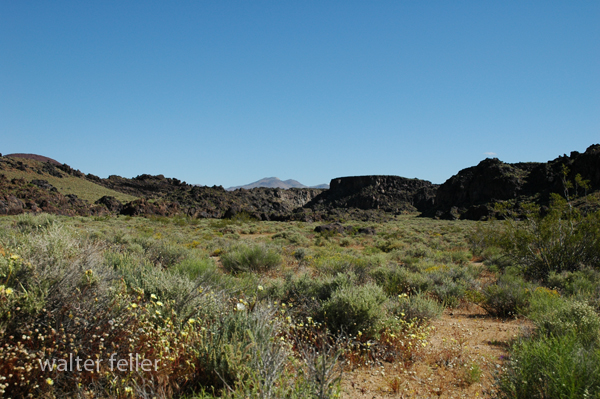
{"type": "Point", "coordinates": [463, 341]}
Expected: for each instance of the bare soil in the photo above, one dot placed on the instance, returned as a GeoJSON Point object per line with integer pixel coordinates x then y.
{"type": "Point", "coordinates": [465, 352]}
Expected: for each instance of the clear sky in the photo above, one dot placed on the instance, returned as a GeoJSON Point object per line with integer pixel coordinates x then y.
{"type": "Point", "coordinates": [228, 92]}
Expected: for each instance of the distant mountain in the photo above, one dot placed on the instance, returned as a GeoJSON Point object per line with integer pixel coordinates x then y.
{"type": "Point", "coordinates": [275, 182]}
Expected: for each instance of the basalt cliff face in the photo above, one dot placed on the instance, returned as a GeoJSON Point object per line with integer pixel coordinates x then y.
{"type": "Point", "coordinates": [372, 197]}
{"type": "Point", "coordinates": [473, 192]}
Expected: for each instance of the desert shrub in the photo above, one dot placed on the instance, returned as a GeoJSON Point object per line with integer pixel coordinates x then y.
{"type": "Point", "coordinates": [471, 373]}
{"type": "Point", "coordinates": [449, 283]}
{"type": "Point", "coordinates": [303, 255]}
{"type": "Point", "coordinates": [496, 259]}
{"type": "Point", "coordinates": [29, 222]}
{"type": "Point", "coordinates": [189, 298]}
{"type": "Point", "coordinates": [346, 242]}
{"type": "Point", "coordinates": [507, 296]}
{"type": "Point", "coordinates": [582, 283]}
{"type": "Point", "coordinates": [303, 291]}
{"type": "Point", "coordinates": [449, 292]}
{"type": "Point", "coordinates": [551, 367]}
{"type": "Point", "coordinates": [321, 356]}
{"type": "Point", "coordinates": [250, 257]}
{"type": "Point", "coordinates": [555, 316]}
{"type": "Point", "coordinates": [165, 254]}
{"type": "Point", "coordinates": [307, 293]}
{"type": "Point", "coordinates": [332, 264]}
{"type": "Point", "coordinates": [293, 237]}
{"type": "Point", "coordinates": [457, 256]}
{"type": "Point", "coordinates": [397, 279]}
{"type": "Point", "coordinates": [484, 237]}
{"type": "Point", "coordinates": [389, 245]}
{"type": "Point", "coordinates": [355, 308]}
{"type": "Point", "coordinates": [417, 307]}
{"type": "Point", "coordinates": [240, 348]}
{"type": "Point", "coordinates": [195, 267]}
{"type": "Point", "coordinates": [157, 250]}
{"type": "Point", "coordinates": [562, 240]}
{"type": "Point", "coordinates": [55, 294]}
{"type": "Point", "coordinates": [332, 284]}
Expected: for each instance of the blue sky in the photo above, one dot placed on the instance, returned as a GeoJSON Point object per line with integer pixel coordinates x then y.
{"type": "Point", "coordinates": [228, 92]}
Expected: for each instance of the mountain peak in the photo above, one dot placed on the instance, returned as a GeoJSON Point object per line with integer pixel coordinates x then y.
{"type": "Point", "coordinates": [274, 182]}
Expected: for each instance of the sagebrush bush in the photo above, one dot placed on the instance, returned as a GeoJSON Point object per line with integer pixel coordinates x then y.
{"type": "Point", "coordinates": [195, 267]}
{"type": "Point", "coordinates": [250, 257]}
{"type": "Point", "coordinates": [417, 307]}
{"type": "Point", "coordinates": [355, 308]}
{"type": "Point", "coordinates": [449, 283]}
{"type": "Point", "coordinates": [565, 316]}
{"type": "Point", "coordinates": [551, 367]}
{"type": "Point", "coordinates": [188, 296]}
{"type": "Point", "coordinates": [396, 279]}
{"type": "Point", "coordinates": [585, 282]}
{"type": "Point", "coordinates": [506, 297]}
{"type": "Point", "coordinates": [240, 350]}
{"type": "Point", "coordinates": [342, 263]}
{"type": "Point", "coordinates": [293, 237]}
{"type": "Point", "coordinates": [29, 222]}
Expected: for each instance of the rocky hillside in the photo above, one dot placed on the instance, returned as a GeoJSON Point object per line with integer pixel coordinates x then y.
{"type": "Point", "coordinates": [472, 193]}
{"type": "Point", "coordinates": [360, 197]}
{"type": "Point", "coordinates": [18, 196]}
{"type": "Point", "coordinates": [29, 185]}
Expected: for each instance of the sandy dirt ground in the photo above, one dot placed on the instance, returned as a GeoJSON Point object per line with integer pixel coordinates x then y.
{"type": "Point", "coordinates": [465, 352]}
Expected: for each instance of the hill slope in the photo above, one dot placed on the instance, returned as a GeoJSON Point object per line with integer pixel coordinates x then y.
{"type": "Point", "coordinates": [65, 179]}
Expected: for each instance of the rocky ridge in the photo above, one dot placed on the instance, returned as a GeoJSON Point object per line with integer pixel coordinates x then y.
{"type": "Point", "coordinates": [473, 192]}
{"type": "Point", "coordinates": [470, 194]}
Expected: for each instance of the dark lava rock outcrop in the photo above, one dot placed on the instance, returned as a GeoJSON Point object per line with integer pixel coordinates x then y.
{"type": "Point", "coordinates": [390, 194]}
{"type": "Point", "coordinates": [111, 203]}
{"type": "Point", "coordinates": [472, 193]}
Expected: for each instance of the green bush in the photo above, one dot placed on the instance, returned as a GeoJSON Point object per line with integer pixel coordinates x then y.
{"type": "Point", "coordinates": [240, 350]}
{"type": "Point", "coordinates": [562, 240]}
{"type": "Point", "coordinates": [417, 307]}
{"type": "Point", "coordinates": [508, 296]}
{"type": "Point", "coordinates": [585, 282]}
{"type": "Point", "coordinates": [355, 308]}
{"type": "Point", "coordinates": [449, 283]}
{"type": "Point", "coordinates": [397, 279]}
{"type": "Point", "coordinates": [449, 292]}
{"type": "Point", "coordinates": [293, 237]}
{"type": "Point", "coordinates": [250, 257]}
{"type": "Point", "coordinates": [551, 367]}
{"type": "Point", "coordinates": [564, 316]}
{"type": "Point", "coordinates": [165, 254]}
{"type": "Point", "coordinates": [29, 222]}
{"type": "Point", "coordinates": [195, 268]}
{"type": "Point", "coordinates": [189, 298]}
{"type": "Point", "coordinates": [342, 263]}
